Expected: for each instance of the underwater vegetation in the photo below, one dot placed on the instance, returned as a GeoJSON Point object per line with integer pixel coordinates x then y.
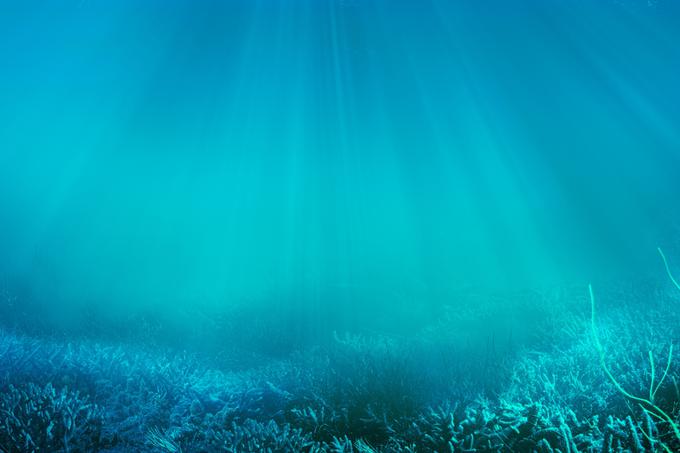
{"type": "Point", "coordinates": [339, 226]}
{"type": "Point", "coordinates": [580, 382]}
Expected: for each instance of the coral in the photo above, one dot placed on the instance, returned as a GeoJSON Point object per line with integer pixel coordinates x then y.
{"type": "Point", "coordinates": [166, 402]}
{"type": "Point", "coordinates": [35, 417]}
{"type": "Point", "coordinates": [369, 393]}
{"type": "Point", "coordinates": [647, 404]}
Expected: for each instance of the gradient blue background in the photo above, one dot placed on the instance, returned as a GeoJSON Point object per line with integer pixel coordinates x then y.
{"type": "Point", "coordinates": [316, 152]}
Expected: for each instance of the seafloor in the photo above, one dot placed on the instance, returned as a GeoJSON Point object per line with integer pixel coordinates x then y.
{"type": "Point", "coordinates": [565, 384]}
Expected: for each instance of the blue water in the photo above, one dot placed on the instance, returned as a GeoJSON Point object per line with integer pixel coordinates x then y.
{"type": "Point", "coordinates": [257, 179]}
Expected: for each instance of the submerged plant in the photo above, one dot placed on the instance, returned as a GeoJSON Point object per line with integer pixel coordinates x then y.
{"type": "Point", "coordinates": [647, 403]}
{"type": "Point", "coordinates": [160, 440]}
{"type": "Point", "coordinates": [668, 270]}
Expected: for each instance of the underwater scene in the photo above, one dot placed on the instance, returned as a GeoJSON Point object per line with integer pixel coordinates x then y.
{"type": "Point", "coordinates": [350, 226]}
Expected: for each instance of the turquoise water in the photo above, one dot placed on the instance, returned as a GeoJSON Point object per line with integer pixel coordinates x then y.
{"type": "Point", "coordinates": [184, 169]}
{"type": "Point", "coordinates": [183, 152]}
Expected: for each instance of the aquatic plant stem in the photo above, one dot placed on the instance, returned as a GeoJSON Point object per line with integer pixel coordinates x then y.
{"type": "Point", "coordinates": [668, 270]}
{"type": "Point", "coordinates": [646, 404]}
{"type": "Point", "coordinates": [651, 384]}
{"type": "Point", "coordinates": [665, 373]}
{"type": "Point", "coordinates": [650, 439]}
